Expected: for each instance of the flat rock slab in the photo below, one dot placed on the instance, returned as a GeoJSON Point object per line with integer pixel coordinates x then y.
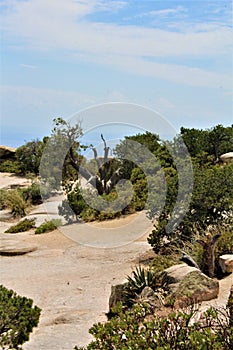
{"type": "Point", "coordinates": [12, 248]}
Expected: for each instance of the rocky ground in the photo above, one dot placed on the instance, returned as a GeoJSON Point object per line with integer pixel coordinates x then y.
{"type": "Point", "coordinates": [70, 281]}
{"type": "Point", "coordinates": [69, 272]}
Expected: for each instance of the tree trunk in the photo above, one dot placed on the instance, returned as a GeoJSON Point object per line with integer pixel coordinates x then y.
{"type": "Point", "coordinates": [208, 253]}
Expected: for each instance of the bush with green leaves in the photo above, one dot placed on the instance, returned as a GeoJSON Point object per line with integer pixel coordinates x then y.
{"type": "Point", "coordinates": [13, 200]}
{"type": "Point", "coordinates": [2, 199]}
{"type": "Point", "coordinates": [48, 226]}
{"type": "Point", "coordinates": [32, 193]}
{"type": "Point", "coordinates": [18, 317]}
{"type": "Point", "coordinates": [161, 262]}
{"type": "Point", "coordinates": [22, 226]}
{"type": "Point", "coordinates": [225, 243]}
{"type": "Point", "coordinates": [138, 329]}
{"type": "Point", "coordinates": [10, 166]}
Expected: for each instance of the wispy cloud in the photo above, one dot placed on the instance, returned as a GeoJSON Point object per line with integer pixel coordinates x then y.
{"type": "Point", "coordinates": [62, 25]}
{"type": "Point", "coordinates": [178, 11]}
{"type": "Point", "coordinates": [29, 66]}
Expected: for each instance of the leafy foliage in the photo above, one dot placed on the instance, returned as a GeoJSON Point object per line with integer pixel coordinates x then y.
{"type": "Point", "coordinates": [213, 142]}
{"type": "Point", "coordinates": [21, 226]}
{"type": "Point", "coordinates": [133, 329]}
{"type": "Point", "coordinates": [32, 193]}
{"type": "Point", "coordinates": [48, 226]}
{"type": "Point", "coordinates": [18, 317]}
{"type": "Point", "coordinates": [10, 166]}
{"type": "Point", "coordinates": [29, 156]}
{"type": "Point", "coordinates": [14, 200]}
{"type": "Point", "coordinates": [211, 204]}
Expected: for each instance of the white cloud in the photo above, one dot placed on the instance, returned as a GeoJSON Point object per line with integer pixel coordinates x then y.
{"type": "Point", "coordinates": [177, 11]}
{"type": "Point", "coordinates": [62, 25]}
{"type": "Point", "coordinates": [29, 66]}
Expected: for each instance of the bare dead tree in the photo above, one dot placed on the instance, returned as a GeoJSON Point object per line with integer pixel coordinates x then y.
{"type": "Point", "coordinates": [102, 181]}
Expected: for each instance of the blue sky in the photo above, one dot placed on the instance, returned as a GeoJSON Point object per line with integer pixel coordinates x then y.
{"type": "Point", "coordinates": [60, 56]}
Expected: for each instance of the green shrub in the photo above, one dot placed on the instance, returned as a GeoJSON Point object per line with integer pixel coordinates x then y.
{"type": "Point", "coordinates": [22, 226]}
{"type": "Point", "coordinates": [48, 226]}
{"type": "Point", "coordinates": [10, 166]}
{"type": "Point", "coordinates": [161, 262]}
{"type": "Point", "coordinates": [32, 193]}
{"type": "Point", "coordinates": [133, 330]}
{"type": "Point", "coordinates": [225, 243]}
{"type": "Point", "coordinates": [17, 318]}
{"type": "Point", "coordinates": [2, 199]}
{"type": "Point", "coordinates": [15, 202]}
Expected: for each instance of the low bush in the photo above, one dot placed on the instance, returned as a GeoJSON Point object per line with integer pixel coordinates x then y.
{"type": "Point", "coordinates": [22, 226]}
{"type": "Point", "coordinates": [32, 193]}
{"type": "Point", "coordinates": [138, 329]}
{"type": "Point", "coordinates": [10, 166]}
{"type": "Point", "coordinates": [48, 226]}
{"type": "Point", "coordinates": [2, 199]}
{"type": "Point", "coordinates": [15, 202]}
{"type": "Point", "coordinates": [161, 262]}
{"type": "Point", "coordinates": [225, 243]}
{"type": "Point", "coordinates": [18, 317]}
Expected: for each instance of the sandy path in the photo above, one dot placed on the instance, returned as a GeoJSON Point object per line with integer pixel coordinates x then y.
{"type": "Point", "coordinates": [7, 180]}
{"type": "Point", "coordinates": [70, 282]}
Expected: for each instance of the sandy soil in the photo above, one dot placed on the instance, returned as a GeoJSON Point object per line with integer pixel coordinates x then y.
{"type": "Point", "coordinates": [69, 281]}
{"type": "Point", "coordinates": [8, 180]}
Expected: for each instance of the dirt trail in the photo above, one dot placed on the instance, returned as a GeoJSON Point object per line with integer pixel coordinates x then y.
{"type": "Point", "coordinates": [70, 282]}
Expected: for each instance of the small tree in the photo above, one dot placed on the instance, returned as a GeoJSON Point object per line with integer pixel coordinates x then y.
{"type": "Point", "coordinates": [17, 318]}
{"type": "Point", "coordinates": [63, 153]}
{"type": "Point", "coordinates": [29, 156]}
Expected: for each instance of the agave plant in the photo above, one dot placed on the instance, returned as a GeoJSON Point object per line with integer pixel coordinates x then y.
{"type": "Point", "coordinates": [140, 279]}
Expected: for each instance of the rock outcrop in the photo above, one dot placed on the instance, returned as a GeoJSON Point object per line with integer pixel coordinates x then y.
{"type": "Point", "coordinates": [149, 296]}
{"type": "Point", "coordinates": [226, 263]}
{"type": "Point", "coordinates": [7, 153]}
{"type": "Point", "coordinates": [117, 295]}
{"type": "Point", "coordinates": [226, 157]}
{"type": "Point", "coordinates": [188, 285]}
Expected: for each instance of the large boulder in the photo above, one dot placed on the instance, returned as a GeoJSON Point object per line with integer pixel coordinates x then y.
{"type": "Point", "coordinates": [226, 263]}
{"type": "Point", "coordinates": [117, 295]}
{"type": "Point", "coordinates": [7, 153]}
{"type": "Point", "coordinates": [188, 285]}
{"type": "Point", "coordinates": [226, 157]}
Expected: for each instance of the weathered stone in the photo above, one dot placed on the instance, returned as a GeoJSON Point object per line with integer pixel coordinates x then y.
{"type": "Point", "coordinates": [11, 248]}
{"type": "Point", "coordinates": [117, 295]}
{"type": "Point", "coordinates": [147, 292]}
{"type": "Point", "coordinates": [6, 153]}
{"type": "Point", "coordinates": [188, 285]}
{"type": "Point", "coordinates": [226, 263]}
{"type": "Point", "coordinates": [176, 273]}
{"type": "Point", "coordinates": [149, 296]}
{"type": "Point", "coordinates": [227, 157]}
